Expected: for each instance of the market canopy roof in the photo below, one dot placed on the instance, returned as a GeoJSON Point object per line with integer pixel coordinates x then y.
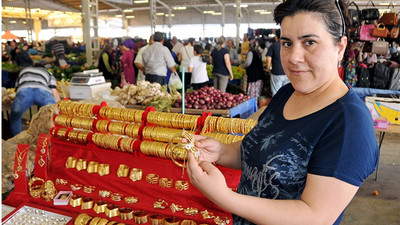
{"type": "Point", "coordinates": [8, 35]}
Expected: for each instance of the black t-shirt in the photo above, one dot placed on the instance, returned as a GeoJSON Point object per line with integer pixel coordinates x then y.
{"type": "Point", "coordinates": [219, 61]}
{"type": "Point", "coordinates": [274, 51]}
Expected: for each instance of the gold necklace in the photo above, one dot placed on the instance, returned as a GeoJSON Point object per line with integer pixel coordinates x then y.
{"type": "Point", "coordinates": [20, 157]}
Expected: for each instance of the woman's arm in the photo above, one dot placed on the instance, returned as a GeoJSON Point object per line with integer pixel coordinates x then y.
{"type": "Point", "coordinates": [228, 65]}
{"type": "Point", "coordinates": [322, 201]}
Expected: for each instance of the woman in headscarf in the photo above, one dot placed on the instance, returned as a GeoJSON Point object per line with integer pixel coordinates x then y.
{"type": "Point", "coordinates": [128, 74]}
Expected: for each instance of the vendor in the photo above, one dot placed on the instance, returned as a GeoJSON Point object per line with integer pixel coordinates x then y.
{"type": "Point", "coordinates": [34, 86]}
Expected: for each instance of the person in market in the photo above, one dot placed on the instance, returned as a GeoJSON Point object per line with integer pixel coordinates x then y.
{"type": "Point", "coordinates": [254, 71]}
{"type": "Point", "coordinates": [34, 86]}
{"type": "Point", "coordinates": [177, 45]}
{"type": "Point", "coordinates": [313, 146]}
{"type": "Point", "coordinates": [156, 59]}
{"type": "Point", "coordinates": [58, 51]}
{"type": "Point", "coordinates": [185, 54]}
{"type": "Point", "coordinates": [23, 59]}
{"type": "Point", "coordinates": [222, 71]}
{"type": "Point", "coordinates": [105, 63]}
{"type": "Point", "coordinates": [139, 60]}
{"type": "Point", "coordinates": [198, 68]}
{"type": "Point", "coordinates": [128, 72]}
{"type": "Point", "coordinates": [245, 47]}
{"type": "Point", "coordinates": [278, 77]}
{"type": "Point", "coordinates": [233, 54]}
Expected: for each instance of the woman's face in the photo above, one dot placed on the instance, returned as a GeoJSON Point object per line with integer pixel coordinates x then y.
{"type": "Point", "coordinates": [309, 55]}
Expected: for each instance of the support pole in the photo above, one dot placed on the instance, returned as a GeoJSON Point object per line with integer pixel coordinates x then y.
{"type": "Point", "coordinates": [238, 15]}
{"type": "Point", "coordinates": [153, 16]}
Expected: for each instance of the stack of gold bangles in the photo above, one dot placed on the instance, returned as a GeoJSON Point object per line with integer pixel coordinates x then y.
{"type": "Point", "coordinates": [176, 149]}
{"type": "Point", "coordinates": [84, 219]}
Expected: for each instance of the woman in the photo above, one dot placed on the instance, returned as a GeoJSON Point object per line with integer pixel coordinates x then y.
{"type": "Point", "coordinates": [198, 68]}
{"type": "Point", "coordinates": [185, 54]}
{"type": "Point", "coordinates": [255, 72]}
{"type": "Point", "coordinates": [128, 76]}
{"type": "Point", "coordinates": [233, 54]}
{"type": "Point", "coordinates": [222, 71]}
{"type": "Point", "coordinates": [314, 144]}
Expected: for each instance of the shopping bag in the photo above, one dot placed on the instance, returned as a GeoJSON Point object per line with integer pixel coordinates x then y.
{"type": "Point", "coordinates": [175, 81]}
{"type": "Point", "coordinates": [366, 32]}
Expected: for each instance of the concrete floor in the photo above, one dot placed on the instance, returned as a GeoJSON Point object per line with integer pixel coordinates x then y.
{"type": "Point", "coordinates": [383, 209]}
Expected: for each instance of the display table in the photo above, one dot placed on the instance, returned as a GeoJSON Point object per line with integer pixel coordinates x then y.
{"type": "Point", "coordinates": [243, 110]}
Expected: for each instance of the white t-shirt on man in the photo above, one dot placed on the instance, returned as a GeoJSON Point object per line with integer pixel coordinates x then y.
{"type": "Point", "coordinates": [199, 73]}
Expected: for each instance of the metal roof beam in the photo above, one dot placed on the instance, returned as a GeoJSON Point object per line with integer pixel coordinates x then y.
{"type": "Point", "coordinates": [111, 4]}
{"type": "Point", "coordinates": [163, 4]}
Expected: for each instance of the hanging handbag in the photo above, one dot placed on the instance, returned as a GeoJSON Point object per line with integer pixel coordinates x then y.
{"type": "Point", "coordinates": [370, 13]}
{"type": "Point", "coordinates": [366, 32]}
{"type": "Point", "coordinates": [380, 47]}
{"type": "Point", "coordinates": [355, 15]}
{"type": "Point", "coordinates": [380, 31]}
{"type": "Point", "coordinates": [394, 32]}
{"type": "Point", "coordinates": [389, 18]}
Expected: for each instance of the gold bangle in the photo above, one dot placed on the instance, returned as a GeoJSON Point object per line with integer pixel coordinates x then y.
{"type": "Point", "coordinates": [136, 174]}
{"type": "Point", "coordinates": [71, 162]}
{"type": "Point", "coordinates": [126, 213]}
{"type": "Point", "coordinates": [152, 178]}
{"type": "Point", "coordinates": [93, 167]}
{"type": "Point", "coordinates": [181, 185]}
{"type": "Point", "coordinates": [104, 193]}
{"type": "Point", "coordinates": [87, 203]}
{"type": "Point", "coordinates": [95, 221]}
{"type": "Point", "coordinates": [222, 220]}
{"type": "Point", "coordinates": [81, 164]}
{"type": "Point", "coordinates": [140, 217]}
{"type": "Point", "coordinates": [49, 191]}
{"type": "Point", "coordinates": [100, 207]}
{"type": "Point", "coordinates": [112, 222]}
{"type": "Point", "coordinates": [76, 187]}
{"type": "Point", "coordinates": [191, 211]}
{"type": "Point", "coordinates": [112, 211]}
{"type": "Point", "coordinates": [165, 182]}
{"type": "Point", "coordinates": [36, 187]}
{"type": "Point", "coordinates": [82, 219]}
{"type": "Point", "coordinates": [89, 189]}
{"type": "Point", "coordinates": [104, 169]}
{"type": "Point", "coordinates": [188, 222]}
{"type": "Point", "coordinates": [75, 201]}
{"type": "Point", "coordinates": [116, 197]}
{"type": "Point", "coordinates": [103, 222]}
{"type": "Point", "coordinates": [123, 170]}
{"type": "Point", "coordinates": [131, 199]}
{"type": "Point", "coordinates": [160, 204]}
{"type": "Point", "coordinates": [176, 208]}
{"type": "Point", "coordinates": [171, 221]}
{"type": "Point", "coordinates": [156, 219]}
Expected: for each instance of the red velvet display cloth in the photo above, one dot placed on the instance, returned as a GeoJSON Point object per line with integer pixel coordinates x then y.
{"type": "Point", "coordinates": [147, 193]}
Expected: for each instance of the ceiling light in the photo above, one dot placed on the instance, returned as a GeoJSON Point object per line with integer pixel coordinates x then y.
{"type": "Point", "coordinates": [259, 10]}
{"type": "Point", "coordinates": [118, 15]}
{"type": "Point", "coordinates": [128, 10]}
{"type": "Point", "coordinates": [208, 12]}
{"type": "Point", "coordinates": [160, 14]}
{"type": "Point", "coordinates": [265, 13]}
{"type": "Point", "coordinates": [167, 15]}
{"type": "Point", "coordinates": [216, 13]}
{"type": "Point", "coordinates": [179, 8]}
{"type": "Point", "coordinates": [140, 1]}
{"type": "Point", "coordinates": [130, 17]}
{"type": "Point", "coordinates": [13, 21]}
{"type": "Point", "coordinates": [241, 6]}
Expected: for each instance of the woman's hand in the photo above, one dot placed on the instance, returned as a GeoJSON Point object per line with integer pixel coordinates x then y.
{"type": "Point", "coordinates": [231, 77]}
{"type": "Point", "coordinates": [208, 179]}
{"type": "Point", "coordinates": [209, 148]}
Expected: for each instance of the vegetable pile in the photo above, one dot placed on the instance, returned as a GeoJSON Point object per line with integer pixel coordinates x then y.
{"type": "Point", "coordinates": [210, 98]}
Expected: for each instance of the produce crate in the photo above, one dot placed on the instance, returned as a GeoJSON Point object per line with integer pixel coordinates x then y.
{"type": "Point", "coordinates": [243, 110]}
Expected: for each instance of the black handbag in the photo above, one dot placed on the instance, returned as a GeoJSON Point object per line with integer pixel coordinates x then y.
{"type": "Point", "coordinates": [380, 76]}
{"type": "Point", "coordinates": [355, 15]}
{"type": "Point", "coordinates": [363, 77]}
{"type": "Point", "coordinates": [370, 13]}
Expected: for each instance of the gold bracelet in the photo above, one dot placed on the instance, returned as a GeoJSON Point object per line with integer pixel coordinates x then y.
{"type": "Point", "coordinates": [36, 187]}
{"type": "Point", "coordinates": [116, 197]}
{"type": "Point", "coordinates": [156, 219]}
{"type": "Point", "coordinates": [95, 221]}
{"type": "Point", "coordinates": [100, 207]}
{"type": "Point", "coordinates": [103, 222]}
{"type": "Point", "coordinates": [75, 201]}
{"type": "Point", "coordinates": [126, 213]}
{"type": "Point", "coordinates": [188, 222]}
{"type": "Point", "coordinates": [176, 208]}
{"type": "Point", "coordinates": [181, 185]}
{"type": "Point", "coordinates": [89, 189]}
{"type": "Point", "coordinates": [71, 162]}
{"type": "Point", "coordinates": [93, 167]}
{"type": "Point", "coordinates": [104, 169]}
{"type": "Point", "coordinates": [160, 204]}
{"type": "Point", "coordinates": [82, 219]}
{"type": "Point", "coordinates": [87, 203]}
{"type": "Point", "coordinates": [222, 220]}
{"type": "Point", "coordinates": [49, 191]}
{"type": "Point", "coordinates": [165, 182]}
{"type": "Point", "coordinates": [104, 193]}
{"type": "Point", "coordinates": [191, 211]}
{"type": "Point", "coordinates": [140, 217]}
{"type": "Point", "coordinates": [136, 174]}
{"type": "Point", "coordinates": [131, 199]}
{"type": "Point", "coordinates": [171, 221]}
{"type": "Point", "coordinates": [123, 171]}
{"type": "Point", "coordinates": [112, 211]}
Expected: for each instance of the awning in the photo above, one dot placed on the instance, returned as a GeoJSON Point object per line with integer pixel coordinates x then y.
{"type": "Point", "coordinates": [8, 35]}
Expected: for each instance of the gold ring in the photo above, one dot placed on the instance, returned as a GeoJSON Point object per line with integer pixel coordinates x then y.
{"type": "Point", "coordinates": [93, 167]}
{"type": "Point", "coordinates": [112, 211]}
{"type": "Point", "coordinates": [76, 187]}
{"type": "Point", "coordinates": [104, 169]}
{"type": "Point", "coordinates": [102, 222]}
{"type": "Point", "coordinates": [165, 182]}
{"type": "Point", "coordinates": [152, 178]}
{"type": "Point", "coordinates": [104, 193]}
{"type": "Point", "coordinates": [131, 199]}
{"type": "Point", "coordinates": [171, 221]}
{"type": "Point", "coordinates": [136, 174]}
{"type": "Point", "coordinates": [60, 181]}
{"type": "Point", "coordinates": [81, 164]}
{"type": "Point", "coordinates": [181, 185]}
{"type": "Point", "coordinates": [87, 203]}
{"type": "Point", "coordinates": [160, 204]}
{"type": "Point", "coordinates": [188, 222]}
{"type": "Point", "coordinates": [71, 162]}
{"type": "Point", "coordinates": [207, 215]}
{"type": "Point", "coordinates": [126, 213]}
{"type": "Point", "coordinates": [123, 170]}
{"type": "Point", "coordinates": [95, 221]}
{"type": "Point", "coordinates": [116, 197]}
{"type": "Point", "coordinates": [191, 211]}
{"type": "Point", "coordinates": [100, 207]}
{"type": "Point", "coordinates": [140, 217]}
{"type": "Point", "coordinates": [82, 219]}
{"type": "Point", "coordinates": [75, 201]}
{"type": "Point", "coordinates": [156, 219]}
{"type": "Point", "coordinates": [176, 208]}
{"type": "Point", "coordinates": [222, 220]}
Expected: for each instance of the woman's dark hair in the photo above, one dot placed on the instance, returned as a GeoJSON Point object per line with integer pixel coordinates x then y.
{"type": "Point", "coordinates": [191, 41]}
{"type": "Point", "coordinates": [333, 12]}
{"type": "Point", "coordinates": [198, 49]}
